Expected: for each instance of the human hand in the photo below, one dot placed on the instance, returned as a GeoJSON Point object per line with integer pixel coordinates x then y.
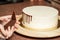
{"type": "Point", "coordinates": [6, 33]}
{"type": "Point", "coordinates": [9, 31]}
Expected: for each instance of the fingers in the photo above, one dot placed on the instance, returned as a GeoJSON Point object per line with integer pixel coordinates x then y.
{"type": "Point", "coordinates": [16, 26]}
{"type": "Point", "coordinates": [17, 22]}
{"type": "Point", "coordinates": [1, 36]}
{"type": "Point", "coordinates": [1, 27]}
{"type": "Point", "coordinates": [9, 32]}
{"type": "Point", "coordinates": [9, 28]}
{"type": "Point", "coordinates": [13, 29]}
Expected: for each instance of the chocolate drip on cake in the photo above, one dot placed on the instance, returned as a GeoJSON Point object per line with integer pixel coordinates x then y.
{"type": "Point", "coordinates": [27, 18]}
{"type": "Point", "coordinates": [31, 18]}
{"type": "Point", "coordinates": [11, 22]}
{"type": "Point", "coordinates": [24, 18]}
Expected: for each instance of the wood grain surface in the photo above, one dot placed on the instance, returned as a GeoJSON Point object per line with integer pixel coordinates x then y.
{"type": "Point", "coordinates": [17, 8]}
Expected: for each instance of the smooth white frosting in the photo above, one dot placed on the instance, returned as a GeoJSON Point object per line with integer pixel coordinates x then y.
{"type": "Point", "coordinates": [42, 17]}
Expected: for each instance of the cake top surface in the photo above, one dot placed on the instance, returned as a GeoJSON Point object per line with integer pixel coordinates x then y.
{"type": "Point", "coordinates": [40, 11]}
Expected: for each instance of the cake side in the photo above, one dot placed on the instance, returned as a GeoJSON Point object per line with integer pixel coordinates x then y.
{"type": "Point", "coordinates": [40, 18]}
{"type": "Point", "coordinates": [43, 24]}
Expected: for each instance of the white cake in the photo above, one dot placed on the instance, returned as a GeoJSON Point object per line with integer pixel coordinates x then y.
{"type": "Point", "coordinates": [42, 18]}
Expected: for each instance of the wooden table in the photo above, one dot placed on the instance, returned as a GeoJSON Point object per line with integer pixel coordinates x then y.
{"type": "Point", "coordinates": [17, 7]}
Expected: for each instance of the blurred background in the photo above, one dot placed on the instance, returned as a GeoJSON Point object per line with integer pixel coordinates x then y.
{"type": "Point", "coordinates": [18, 1]}
{"type": "Point", "coordinates": [13, 1]}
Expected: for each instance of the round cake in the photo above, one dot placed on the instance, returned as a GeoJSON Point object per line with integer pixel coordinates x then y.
{"type": "Point", "coordinates": [42, 18]}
